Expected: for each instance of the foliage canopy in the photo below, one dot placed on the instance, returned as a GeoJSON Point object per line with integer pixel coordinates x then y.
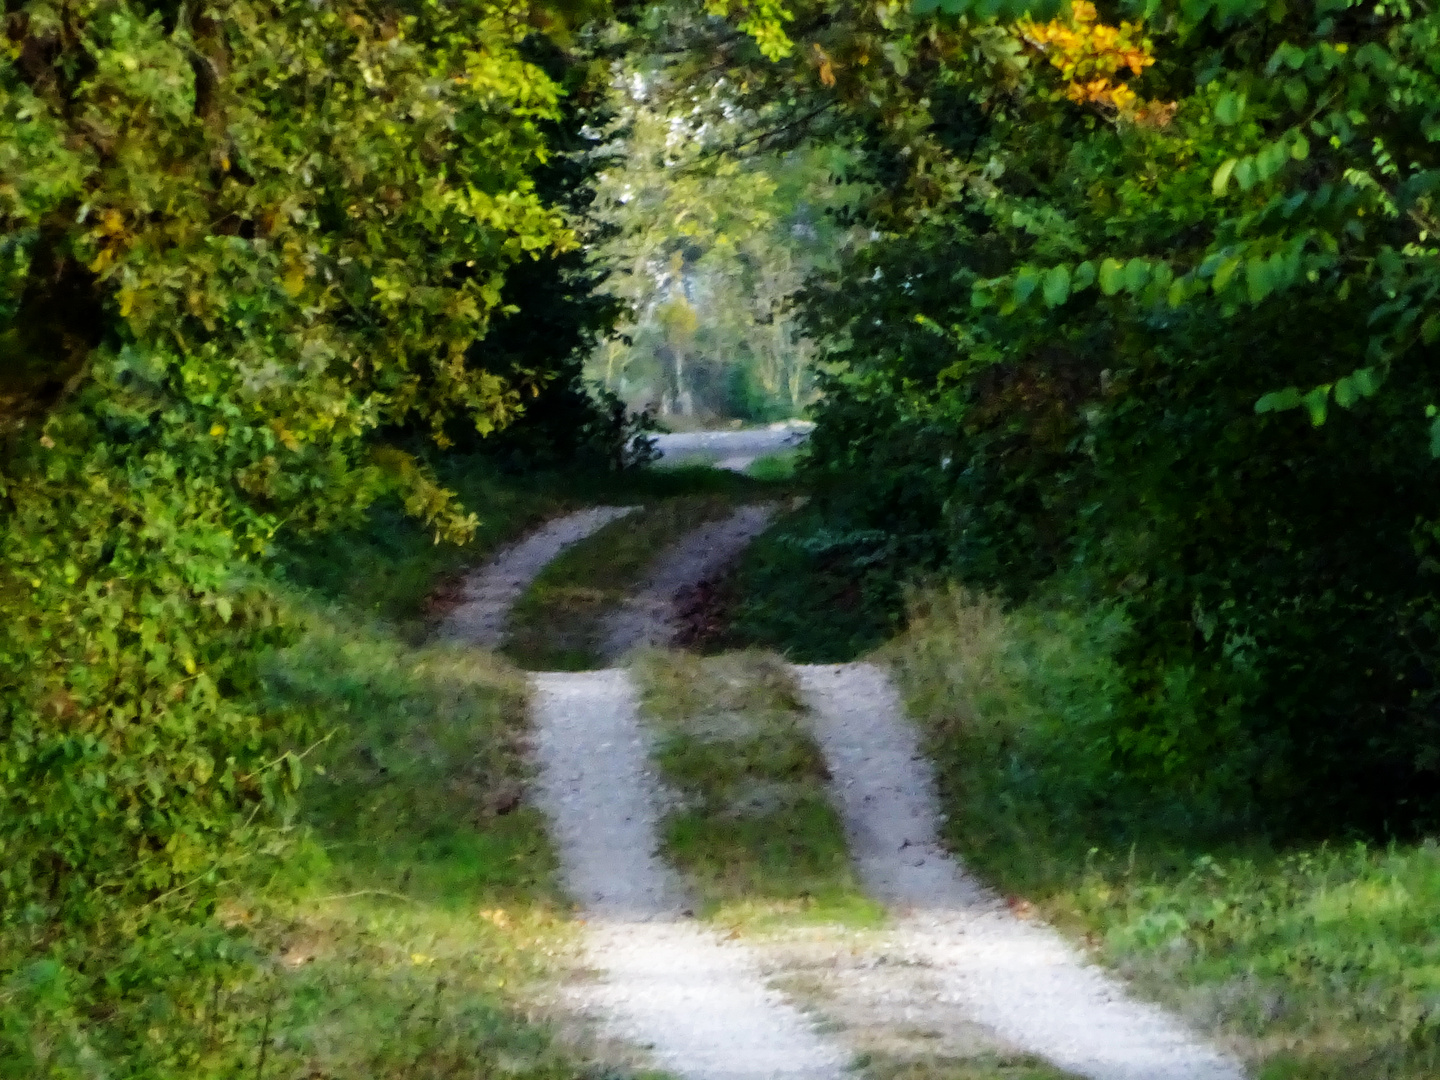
{"type": "Point", "coordinates": [1166, 349]}
{"type": "Point", "coordinates": [238, 242]}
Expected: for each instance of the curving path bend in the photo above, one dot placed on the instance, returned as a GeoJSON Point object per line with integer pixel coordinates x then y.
{"type": "Point", "coordinates": [492, 590]}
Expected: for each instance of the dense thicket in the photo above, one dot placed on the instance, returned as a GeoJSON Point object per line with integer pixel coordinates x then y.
{"type": "Point", "coordinates": [1151, 326]}
{"type": "Point", "coordinates": [554, 312]}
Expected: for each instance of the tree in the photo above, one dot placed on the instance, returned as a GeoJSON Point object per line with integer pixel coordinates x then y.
{"type": "Point", "coordinates": [238, 242]}
{"type": "Point", "coordinates": [708, 249]}
{"type": "Point", "coordinates": [1149, 324]}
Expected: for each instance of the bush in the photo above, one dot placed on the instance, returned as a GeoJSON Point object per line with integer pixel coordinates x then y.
{"type": "Point", "coordinates": [1310, 960]}
{"type": "Point", "coordinates": [1163, 341]}
{"type": "Point", "coordinates": [237, 243]}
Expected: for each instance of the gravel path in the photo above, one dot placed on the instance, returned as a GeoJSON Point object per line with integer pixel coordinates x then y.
{"type": "Point", "coordinates": [664, 982]}
{"type": "Point", "coordinates": [491, 591]}
{"type": "Point", "coordinates": [734, 450]}
{"type": "Point", "coordinates": [648, 617]}
{"type": "Point", "coordinates": [1016, 977]}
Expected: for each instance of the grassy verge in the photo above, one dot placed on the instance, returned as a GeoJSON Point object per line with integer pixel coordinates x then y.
{"type": "Point", "coordinates": [777, 466]}
{"type": "Point", "coordinates": [388, 566]}
{"type": "Point", "coordinates": [556, 625]}
{"type": "Point", "coordinates": [1315, 962]}
{"type": "Point", "coordinates": [754, 831]}
{"type": "Point", "coordinates": [415, 935]}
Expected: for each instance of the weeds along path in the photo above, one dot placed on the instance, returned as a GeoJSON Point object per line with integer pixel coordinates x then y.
{"type": "Point", "coordinates": [648, 617]}
{"type": "Point", "coordinates": [1015, 977]}
{"type": "Point", "coordinates": [492, 590]}
{"type": "Point", "coordinates": [664, 981]}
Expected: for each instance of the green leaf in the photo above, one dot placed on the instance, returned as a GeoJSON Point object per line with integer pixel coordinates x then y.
{"type": "Point", "coordinates": [1111, 276]}
{"type": "Point", "coordinates": [1025, 282]}
{"type": "Point", "coordinates": [1259, 279]}
{"type": "Point", "coordinates": [1271, 160]}
{"type": "Point", "coordinates": [1245, 173]}
{"type": "Point", "coordinates": [1225, 272]}
{"type": "Point", "coordinates": [1300, 148]}
{"type": "Point", "coordinates": [1137, 275]}
{"type": "Point", "coordinates": [1435, 438]}
{"type": "Point", "coordinates": [1230, 108]}
{"type": "Point", "coordinates": [1279, 400]}
{"type": "Point", "coordinates": [1430, 329]}
{"type": "Point", "coordinates": [1057, 286]}
{"type": "Point", "coordinates": [1083, 277]}
{"type": "Point", "coordinates": [1221, 180]}
{"type": "Point", "coordinates": [1362, 383]}
{"type": "Point", "coordinates": [1317, 403]}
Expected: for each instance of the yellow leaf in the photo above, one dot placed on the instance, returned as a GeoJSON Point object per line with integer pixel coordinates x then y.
{"type": "Point", "coordinates": [294, 280]}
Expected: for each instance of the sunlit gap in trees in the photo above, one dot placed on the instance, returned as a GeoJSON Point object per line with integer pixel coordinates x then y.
{"type": "Point", "coordinates": [708, 247]}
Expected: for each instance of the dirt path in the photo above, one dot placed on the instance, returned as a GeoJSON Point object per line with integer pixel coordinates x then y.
{"type": "Point", "coordinates": [649, 617]}
{"type": "Point", "coordinates": [954, 974]}
{"type": "Point", "coordinates": [664, 982]}
{"type": "Point", "coordinates": [1018, 978]}
{"type": "Point", "coordinates": [492, 590]}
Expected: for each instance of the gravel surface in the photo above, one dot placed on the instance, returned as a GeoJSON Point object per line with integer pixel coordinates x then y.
{"type": "Point", "coordinates": [734, 450]}
{"type": "Point", "coordinates": [663, 982]}
{"type": "Point", "coordinates": [650, 617]}
{"type": "Point", "coordinates": [1016, 977]}
{"type": "Point", "coordinates": [492, 590]}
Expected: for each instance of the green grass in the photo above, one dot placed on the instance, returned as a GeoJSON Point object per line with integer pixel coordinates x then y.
{"type": "Point", "coordinates": [755, 833]}
{"type": "Point", "coordinates": [777, 466]}
{"type": "Point", "coordinates": [1315, 962]}
{"type": "Point", "coordinates": [408, 936]}
{"type": "Point", "coordinates": [389, 565]}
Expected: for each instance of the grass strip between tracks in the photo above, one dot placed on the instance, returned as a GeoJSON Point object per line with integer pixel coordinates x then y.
{"type": "Point", "coordinates": [753, 829]}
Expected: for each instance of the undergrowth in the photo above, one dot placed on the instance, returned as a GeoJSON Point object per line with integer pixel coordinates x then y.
{"type": "Point", "coordinates": [753, 830]}
{"type": "Point", "coordinates": [406, 920]}
{"type": "Point", "coordinates": [390, 564]}
{"type": "Point", "coordinates": [390, 567]}
{"type": "Point", "coordinates": [1315, 961]}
